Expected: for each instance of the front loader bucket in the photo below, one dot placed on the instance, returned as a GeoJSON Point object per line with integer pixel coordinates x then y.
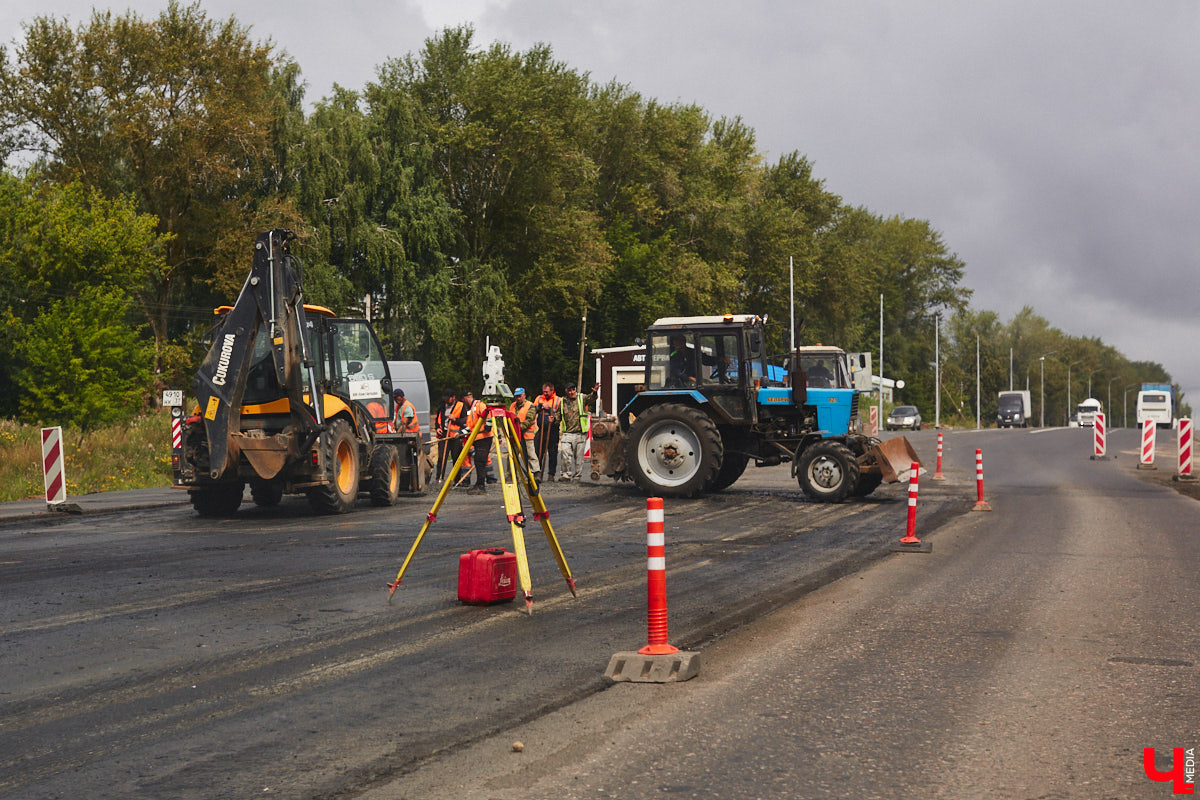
{"type": "Point", "coordinates": [895, 458]}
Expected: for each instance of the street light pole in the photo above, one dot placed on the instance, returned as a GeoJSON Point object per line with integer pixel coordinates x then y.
{"type": "Point", "coordinates": [1125, 406]}
{"type": "Point", "coordinates": [1042, 390]}
{"type": "Point", "coordinates": [1109, 406]}
{"type": "Point", "coordinates": [937, 373]}
{"type": "Point", "coordinates": [977, 414]}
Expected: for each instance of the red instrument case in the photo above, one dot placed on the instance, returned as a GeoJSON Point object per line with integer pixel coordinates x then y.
{"type": "Point", "coordinates": [487, 576]}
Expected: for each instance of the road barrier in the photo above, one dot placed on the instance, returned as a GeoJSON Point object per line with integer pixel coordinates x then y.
{"type": "Point", "coordinates": [1146, 460]}
{"type": "Point", "coordinates": [980, 503]}
{"type": "Point", "coordinates": [1100, 447]}
{"type": "Point", "coordinates": [658, 661]}
{"type": "Point", "coordinates": [656, 581]}
{"type": "Point", "coordinates": [910, 543]}
{"type": "Point", "coordinates": [54, 475]}
{"type": "Point", "coordinates": [874, 421]}
{"type": "Point", "coordinates": [1185, 449]}
{"type": "Point", "coordinates": [937, 475]}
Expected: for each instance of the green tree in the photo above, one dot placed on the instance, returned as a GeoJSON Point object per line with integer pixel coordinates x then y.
{"type": "Point", "coordinates": [176, 112]}
{"type": "Point", "coordinates": [84, 362]}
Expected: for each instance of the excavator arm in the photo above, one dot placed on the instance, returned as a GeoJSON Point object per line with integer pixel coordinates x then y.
{"type": "Point", "coordinates": [270, 300]}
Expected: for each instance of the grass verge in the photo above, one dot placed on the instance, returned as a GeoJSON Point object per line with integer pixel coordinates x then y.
{"type": "Point", "coordinates": [135, 455]}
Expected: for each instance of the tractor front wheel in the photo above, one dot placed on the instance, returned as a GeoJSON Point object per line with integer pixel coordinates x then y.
{"type": "Point", "coordinates": [827, 472]}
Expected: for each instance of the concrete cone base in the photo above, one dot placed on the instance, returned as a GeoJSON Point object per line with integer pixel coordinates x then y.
{"type": "Point", "coordinates": [634, 666]}
{"type": "Point", "coordinates": [916, 547]}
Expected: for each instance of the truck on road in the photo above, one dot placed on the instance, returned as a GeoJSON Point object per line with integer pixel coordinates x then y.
{"type": "Point", "coordinates": [1086, 412]}
{"type": "Point", "coordinates": [1013, 409]}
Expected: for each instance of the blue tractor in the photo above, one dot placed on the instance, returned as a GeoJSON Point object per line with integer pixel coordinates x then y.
{"type": "Point", "coordinates": [713, 401]}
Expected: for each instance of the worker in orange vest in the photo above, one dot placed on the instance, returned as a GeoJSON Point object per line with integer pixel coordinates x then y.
{"type": "Point", "coordinates": [483, 440]}
{"type": "Point", "coordinates": [448, 421]}
{"type": "Point", "coordinates": [526, 418]}
{"type": "Point", "coordinates": [548, 404]}
{"type": "Point", "coordinates": [406, 414]}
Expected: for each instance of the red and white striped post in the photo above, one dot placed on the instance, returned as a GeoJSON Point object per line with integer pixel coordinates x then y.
{"type": "Point", "coordinates": [980, 503]}
{"type": "Point", "coordinates": [54, 475]}
{"type": "Point", "coordinates": [1146, 460]}
{"type": "Point", "coordinates": [1100, 447]}
{"type": "Point", "coordinates": [874, 421]}
{"type": "Point", "coordinates": [656, 582]}
{"type": "Point", "coordinates": [937, 475]}
{"type": "Point", "coordinates": [910, 542]}
{"type": "Point", "coordinates": [1185, 449]}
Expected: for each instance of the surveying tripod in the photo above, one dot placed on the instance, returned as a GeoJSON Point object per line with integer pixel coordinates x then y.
{"type": "Point", "coordinates": [514, 476]}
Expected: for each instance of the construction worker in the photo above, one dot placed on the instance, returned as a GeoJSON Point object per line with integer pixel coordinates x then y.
{"type": "Point", "coordinates": [483, 440]}
{"type": "Point", "coordinates": [447, 424]}
{"type": "Point", "coordinates": [573, 439]}
{"type": "Point", "coordinates": [548, 403]}
{"type": "Point", "coordinates": [526, 418]}
{"type": "Point", "coordinates": [406, 414]}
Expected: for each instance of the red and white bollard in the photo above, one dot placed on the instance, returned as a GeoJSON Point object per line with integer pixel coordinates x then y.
{"type": "Point", "coordinates": [1100, 447]}
{"type": "Point", "coordinates": [1185, 449]}
{"type": "Point", "coordinates": [910, 543]}
{"type": "Point", "coordinates": [937, 474]}
{"type": "Point", "coordinates": [54, 475]}
{"type": "Point", "coordinates": [1146, 460]}
{"type": "Point", "coordinates": [980, 503]}
{"type": "Point", "coordinates": [656, 581]}
{"type": "Point", "coordinates": [874, 421]}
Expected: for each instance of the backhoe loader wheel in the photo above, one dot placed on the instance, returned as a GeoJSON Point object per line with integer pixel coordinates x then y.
{"type": "Point", "coordinates": [384, 481]}
{"type": "Point", "coordinates": [827, 472]}
{"type": "Point", "coordinates": [266, 493]}
{"type": "Point", "coordinates": [340, 456]}
{"type": "Point", "coordinates": [217, 500]}
{"type": "Point", "coordinates": [673, 450]}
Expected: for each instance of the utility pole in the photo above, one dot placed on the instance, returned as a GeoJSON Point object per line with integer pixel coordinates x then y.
{"type": "Point", "coordinates": [977, 414]}
{"type": "Point", "coordinates": [881, 358]}
{"type": "Point", "coordinates": [582, 343]}
{"type": "Point", "coordinates": [937, 373]}
{"type": "Point", "coordinates": [792, 300]}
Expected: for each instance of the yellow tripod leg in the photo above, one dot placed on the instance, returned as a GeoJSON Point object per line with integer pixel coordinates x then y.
{"type": "Point", "coordinates": [447, 484]}
{"type": "Point", "coordinates": [542, 515]}
{"type": "Point", "coordinates": [512, 506]}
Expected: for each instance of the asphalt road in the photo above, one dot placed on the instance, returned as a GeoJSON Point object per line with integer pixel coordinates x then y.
{"type": "Point", "coordinates": [1033, 654]}
{"type": "Point", "coordinates": [152, 654]}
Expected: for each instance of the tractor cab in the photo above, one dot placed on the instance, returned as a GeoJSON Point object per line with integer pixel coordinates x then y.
{"type": "Point", "coordinates": [716, 360]}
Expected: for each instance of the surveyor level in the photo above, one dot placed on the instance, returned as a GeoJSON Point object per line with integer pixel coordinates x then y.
{"type": "Point", "coordinates": [514, 475]}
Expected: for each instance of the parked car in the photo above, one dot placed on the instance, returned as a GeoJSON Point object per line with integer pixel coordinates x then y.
{"type": "Point", "coordinates": [903, 417]}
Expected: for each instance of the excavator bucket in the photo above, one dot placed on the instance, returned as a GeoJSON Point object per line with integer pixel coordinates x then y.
{"type": "Point", "coordinates": [895, 458]}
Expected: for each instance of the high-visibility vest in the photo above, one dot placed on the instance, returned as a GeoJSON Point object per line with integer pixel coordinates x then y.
{"type": "Point", "coordinates": [521, 414]}
{"type": "Point", "coordinates": [584, 420]}
{"type": "Point", "coordinates": [478, 411]}
{"type": "Point", "coordinates": [401, 412]}
{"type": "Point", "coordinates": [454, 422]}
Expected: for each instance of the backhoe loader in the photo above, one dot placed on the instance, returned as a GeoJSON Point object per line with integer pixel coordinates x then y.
{"type": "Point", "coordinates": [256, 421]}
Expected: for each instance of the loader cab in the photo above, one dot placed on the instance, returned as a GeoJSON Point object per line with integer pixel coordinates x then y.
{"type": "Point", "coordinates": [347, 361]}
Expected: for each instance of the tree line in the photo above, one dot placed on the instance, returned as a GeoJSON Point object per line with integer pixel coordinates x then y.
{"type": "Point", "coordinates": [469, 192]}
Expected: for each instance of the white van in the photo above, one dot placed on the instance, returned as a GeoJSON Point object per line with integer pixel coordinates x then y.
{"type": "Point", "coordinates": [1087, 411]}
{"type": "Point", "coordinates": [1155, 405]}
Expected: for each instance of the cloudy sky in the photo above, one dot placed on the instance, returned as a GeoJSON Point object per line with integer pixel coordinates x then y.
{"type": "Point", "coordinates": [1056, 145]}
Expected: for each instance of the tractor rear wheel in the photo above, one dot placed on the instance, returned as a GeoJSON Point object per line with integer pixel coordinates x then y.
{"type": "Point", "coordinates": [266, 493]}
{"type": "Point", "coordinates": [339, 453]}
{"type": "Point", "coordinates": [218, 499]}
{"type": "Point", "coordinates": [673, 450]}
{"type": "Point", "coordinates": [827, 472]}
{"type": "Point", "coordinates": [384, 483]}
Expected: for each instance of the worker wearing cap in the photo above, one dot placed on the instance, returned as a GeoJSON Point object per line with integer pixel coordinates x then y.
{"type": "Point", "coordinates": [482, 449]}
{"type": "Point", "coordinates": [406, 414]}
{"type": "Point", "coordinates": [526, 418]}
{"type": "Point", "coordinates": [573, 438]}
